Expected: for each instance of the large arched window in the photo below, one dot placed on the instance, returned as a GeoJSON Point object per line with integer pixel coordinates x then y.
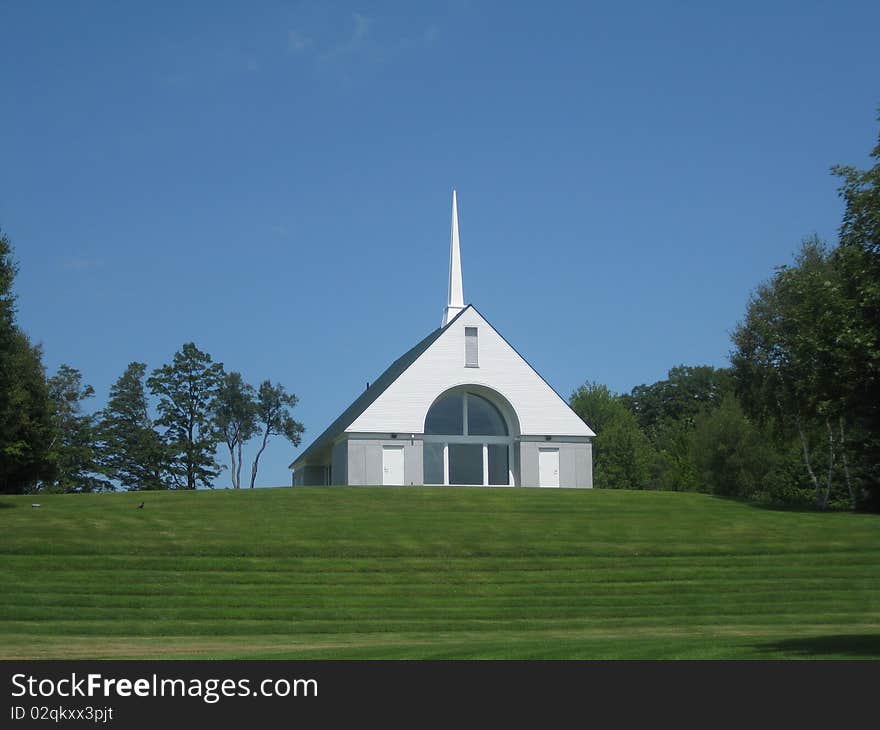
{"type": "Point", "coordinates": [467, 441]}
{"type": "Point", "coordinates": [465, 414]}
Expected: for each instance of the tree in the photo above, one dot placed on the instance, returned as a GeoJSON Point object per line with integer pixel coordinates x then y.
{"type": "Point", "coordinates": [187, 390]}
{"type": "Point", "coordinates": [666, 412]}
{"type": "Point", "coordinates": [236, 419]}
{"type": "Point", "coordinates": [857, 259]}
{"type": "Point", "coordinates": [74, 447]}
{"type": "Point", "coordinates": [133, 452]}
{"type": "Point", "coordinates": [672, 467]}
{"type": "Point", "coordinates": [621, 452]}
{"type": "Point", "coordinates": [26, 430]}
{"type": "Point", "coordinates": [732, 457]}
{"type": "Point", "coordinates": [787, 359]}
{"type": "Point", "coordinates": [274, 419]}
{"type": "Point", "coordinates": [687, 391]}
{"type": "Point", "coordinates": [25, 410]}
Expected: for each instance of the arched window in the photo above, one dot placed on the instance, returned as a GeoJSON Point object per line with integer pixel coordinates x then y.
{"type": "Point", "coordinates": [446, 416]}
{"type": "Point", "coordinates": [467, 441]}
{"type": "Point", "coordinates": [483, 418]}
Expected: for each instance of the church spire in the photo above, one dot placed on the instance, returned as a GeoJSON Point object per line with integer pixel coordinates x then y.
{"type": "Point", "coordinates": [455, 300]}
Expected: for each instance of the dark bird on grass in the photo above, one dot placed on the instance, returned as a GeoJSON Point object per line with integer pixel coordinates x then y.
{"type": "Point", "coordinates": [141, 505]}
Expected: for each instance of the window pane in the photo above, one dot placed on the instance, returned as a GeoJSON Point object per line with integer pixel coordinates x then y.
{"type": "Point", "coordinates": [465, 463]}
{"type": "Point", "coordinates": [498, 471]}
{"type": "Point", "coordinates": [445, 416]}
{"type": "Point", "coordinates": [484, 419]}
{"type": "Point", "coordinates": [433, 463]}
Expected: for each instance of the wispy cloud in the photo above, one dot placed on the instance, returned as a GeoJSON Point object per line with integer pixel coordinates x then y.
{"type": "Point", "coordinates": [298, 41]}
{"type": "Point", "coordinates": [357, 39]}
{"type": "Point", "coordinates": [430, 35]}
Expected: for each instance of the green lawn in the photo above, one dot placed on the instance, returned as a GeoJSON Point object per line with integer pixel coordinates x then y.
{"type": "Point", "coordinates": [433, 573]}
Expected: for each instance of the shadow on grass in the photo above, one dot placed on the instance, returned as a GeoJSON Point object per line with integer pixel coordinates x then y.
{"type": "Point", "coordinates": [853, 645]}
{"type": "Point", "coordinates": [779, 507]}
{"type": "Point", "coordinates": [782, 506]}
{"type": "Point", "coordinates": [7, 505]}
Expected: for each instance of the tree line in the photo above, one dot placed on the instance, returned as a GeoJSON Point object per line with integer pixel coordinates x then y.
{"type": "Point", "coordinates": [795, 419]}
{"type": "Point", "coordinates": [159, 430]}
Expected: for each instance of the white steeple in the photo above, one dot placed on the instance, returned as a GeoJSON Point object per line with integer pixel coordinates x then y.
{"type": "Point", "coordinates": [455, 301]}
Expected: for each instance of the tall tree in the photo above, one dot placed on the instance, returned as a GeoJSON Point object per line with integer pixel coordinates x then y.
{"type": "Point", "coordinates": [236, 419]}
{"type": "Point", "coordinates": [26, 430]}
{"type": "Point", "coordinates": [133, 451]}
{"type": "Point", "coordinates": [187, 390]}
{"type": "Point", "coordinates": [274, 419]}
{"type": "Point", "coordinates": [74, 449]}
{"type": "Point", "coordinates": [858, 260]}
{"type": "Point", "coordinates": [786, 361]}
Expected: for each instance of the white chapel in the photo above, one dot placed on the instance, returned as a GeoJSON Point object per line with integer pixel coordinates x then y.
{"type": "Point", "coordinates": [462, 407]}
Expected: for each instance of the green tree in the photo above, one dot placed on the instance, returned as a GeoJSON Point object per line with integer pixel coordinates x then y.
{"type": "Point", "coordinates": [133, 451]}
{"type": "Point", "coordinates": [187, 390]}
{"type": "Point", "coordinates": [731, 455]}
{"type": "Point", "coordinates": [686, 391]}
{"type": "Point", "coordinates": [857, 259]}
{"type": "Point", "coordinates": [666, 412]}
{"type": "Point", "coordinates": [26, 430]}
{"type": "Point", "coordinates": [74, 449]}
{"type": "Point", "coordinates": [236, 419]}
{"type": "Point", "coordinates": [787, 361]}
{"type": "Point", "coordinates": [621, 453]}
{"type": "Point", "coordinates": [274, 419]}
{"type": "Point", "coordinates": [672, 467]}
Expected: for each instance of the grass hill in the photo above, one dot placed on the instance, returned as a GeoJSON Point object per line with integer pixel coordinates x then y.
{"type": "Point", "coordinates": [433, 573]}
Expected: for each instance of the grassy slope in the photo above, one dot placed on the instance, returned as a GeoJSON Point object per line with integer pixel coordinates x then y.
{"type": "Point", "coordinates": [433, 572]}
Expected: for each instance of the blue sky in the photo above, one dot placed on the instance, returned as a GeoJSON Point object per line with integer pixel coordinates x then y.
{"type": "Point", "coordinates": [273, 180]}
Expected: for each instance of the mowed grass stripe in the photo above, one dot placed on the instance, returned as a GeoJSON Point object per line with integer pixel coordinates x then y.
{"type": "Point", "coordinates": [262, 594]}
{"type": "Point", "coordinates": [432, 572]}
{"type": "Point", "coordinates": [781, 621]}
{"type": "Point", "coordinates": [206, 565]}
{"type": "Point", "coordinates": [441, 609]}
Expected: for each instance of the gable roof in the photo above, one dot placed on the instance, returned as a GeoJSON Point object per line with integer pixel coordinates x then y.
{"type": "Point", "coordinates": [366, 399]}
{"type": "Point", "coordinates": [403, 405]}
{"type": "Point", "coordinates": [532, 368]}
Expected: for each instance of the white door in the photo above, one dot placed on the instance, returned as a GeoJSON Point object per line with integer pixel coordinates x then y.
{"type": "Point", "coordinates": [548, 467]}
{"type": "Point", "coordinates": [392, 465]}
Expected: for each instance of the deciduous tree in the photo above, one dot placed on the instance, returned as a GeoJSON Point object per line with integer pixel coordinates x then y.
{"type": "Point", "coordinates": [857, 259]}
{"type": "Point", "coordinates": [236, 418]}
{"type": "Point", "coordinates": [621, 452]}
{"type": "Point", "coordinates": [187, 391]}
{"type": "Point", "coordinates": [274, 419]}
{"type": "Point", "coordinates": [787, 359]}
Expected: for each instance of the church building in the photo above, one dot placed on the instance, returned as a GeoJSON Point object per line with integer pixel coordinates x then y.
{"type": "Point", "coordinates": [462, 407]}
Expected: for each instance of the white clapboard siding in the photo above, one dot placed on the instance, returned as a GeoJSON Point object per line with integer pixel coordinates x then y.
{"type": "Point", "coordinates": [403, 406]}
